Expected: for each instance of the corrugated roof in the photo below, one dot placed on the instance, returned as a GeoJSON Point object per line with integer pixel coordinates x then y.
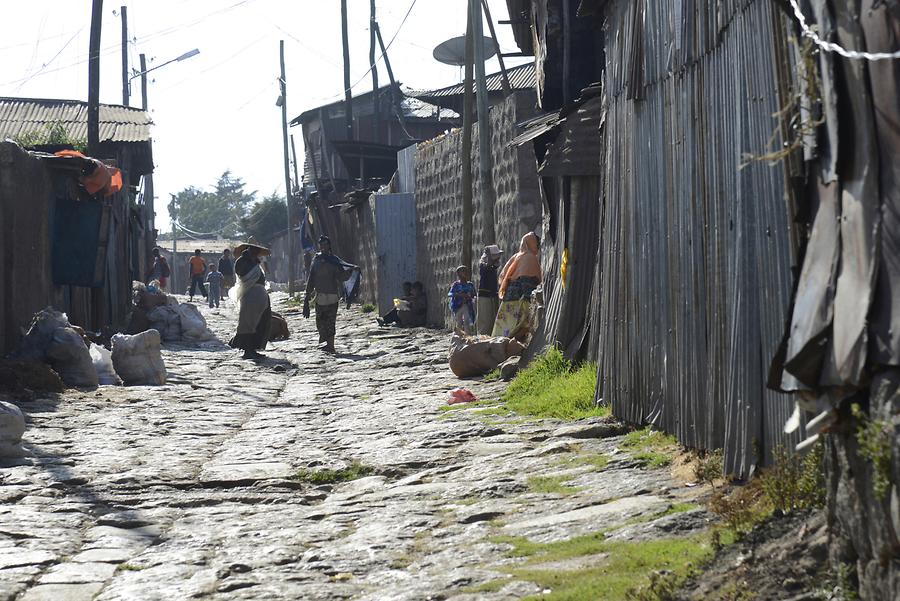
{"type": "Point", "coordinates": [22, 116]}
{"type": "Point", "coordinates": [521, 77]}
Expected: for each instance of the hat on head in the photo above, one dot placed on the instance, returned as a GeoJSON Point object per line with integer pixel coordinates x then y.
{"type": "Point", "coordinates": [493, 250]}
{"type": "Point", "coordinates": [252, 243]}
{"type": "Point", "coordinates": [324, 238]}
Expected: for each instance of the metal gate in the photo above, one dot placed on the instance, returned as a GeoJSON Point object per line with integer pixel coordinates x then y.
{"type": "Point", "coordinates": [395, 230]}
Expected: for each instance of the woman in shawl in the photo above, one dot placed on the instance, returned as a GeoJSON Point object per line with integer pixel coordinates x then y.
{"type": "Point", "coordinates": [518, 279]}
{"type": "Point", "coordinates": [254, 311]}
{"type": "Point", "coordinates": [488, 286]}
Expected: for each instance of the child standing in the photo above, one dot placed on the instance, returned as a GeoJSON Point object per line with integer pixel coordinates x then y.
{"type": "Point", "coordinates": [462, 300]}
{"type": "Point", "coordinates": [214, 278]}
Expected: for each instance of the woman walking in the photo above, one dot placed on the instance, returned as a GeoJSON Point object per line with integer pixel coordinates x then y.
{"type": "Point", "coordinates": [254, 311]}
{"type": "Point", "coordinates": [518, 279]}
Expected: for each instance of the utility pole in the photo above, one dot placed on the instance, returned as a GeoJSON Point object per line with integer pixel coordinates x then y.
{"type": "Point", "coordinates": [484, 131]}
{"type": "Point", "coordinates": [123, 12]}
{"type": "Point", "coordinates": [376, 120]}
{"type": "Point", "coordinates": [468, 118]}
{"type": "Point", "coordinates": [173, 268]}
{"type": "Point", "coordinates": [504, 78]}
{"type": "Point", "coordinates": [93, 116]}
{"type": "Point", "coordinates": [395, 90]}
{"type": "Point", "coordinates": [348, 94]}
{"type": "Point", "coordinates": [143, 82]}
{"type": "Point", "coordinates": [288, 192]}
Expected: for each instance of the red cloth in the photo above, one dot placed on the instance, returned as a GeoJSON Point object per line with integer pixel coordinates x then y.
{"type": "Point", "coordinates": [104, 178]}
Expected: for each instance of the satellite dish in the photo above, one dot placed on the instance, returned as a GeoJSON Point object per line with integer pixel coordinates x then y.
{"type": "Point", "coordinates": [453, 51]}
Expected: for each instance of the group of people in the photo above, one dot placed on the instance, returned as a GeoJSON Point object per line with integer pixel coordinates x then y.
{"type": "Point", "coordinates": [499, 306]}
{"type": "Point", "coordinates": [503, 295]}
{"type": "Point", "coordinates": [218, 277]}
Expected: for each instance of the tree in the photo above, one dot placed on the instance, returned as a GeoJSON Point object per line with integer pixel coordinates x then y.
{"type": "Point", "coordinates": [267, 219]}
{"type": "Point", "coordinates": [217, 212]}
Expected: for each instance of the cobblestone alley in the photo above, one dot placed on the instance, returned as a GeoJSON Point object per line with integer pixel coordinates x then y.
{"type": "Point", "coordinates": [191, 490]}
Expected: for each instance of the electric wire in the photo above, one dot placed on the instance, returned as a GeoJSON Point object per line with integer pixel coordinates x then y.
{"type": "Point", "coordinates": [832, 47]}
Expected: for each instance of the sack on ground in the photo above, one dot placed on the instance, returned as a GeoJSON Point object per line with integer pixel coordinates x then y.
{"type": "Point", "coordinates": [138, 360]}
{"type": "Point", "coordinates": [167, 321]}
{"type": "Point", "coordinates": [71, 359]}
{"type": "Point", "coordinates": [40, 335]}
{"type": "Point", "coordinates": [472, 356]}
{"type": "Point", "coordinates": [103, 365]}
{"type": "Point", "coordinates": [193, 326]}
{"type": "Point", "coordinates": [12, 427]}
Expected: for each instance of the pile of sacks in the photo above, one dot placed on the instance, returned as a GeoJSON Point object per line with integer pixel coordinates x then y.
{"type": "Point", "coordinates": [51, 339]}
{"type": "Point", "coordinates": [174, 322]}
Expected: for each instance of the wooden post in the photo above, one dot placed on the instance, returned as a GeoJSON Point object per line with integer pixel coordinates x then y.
{"type": "Point", "coordinates": [348, 94]}
{"type": "Point", "coordinates": [484, 131]}
{"type": "Point", "coordinates": [504, 77]}
{"type": "Point", "coordinates": [376, 117]}
{"type": "Point", "coordinates": [125, 92]}
{"type": "Point", "coordinates": [468, 118]}
{"type": "Point", "coordinates": [288, 191]}
{"type": "Point", "coordinates": [143, 82]}
{"type": "Point", "coordinates": [395, 89]}
{"type": "Point", "coordinates": [567, 51]}
{"type": "Point", "coordinates": [93, 116]}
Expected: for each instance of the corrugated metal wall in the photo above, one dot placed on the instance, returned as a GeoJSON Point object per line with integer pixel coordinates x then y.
{"type": "Point", "coordinates": [696, 245]}
{"type": "Point", "coordinates": [395, 243]}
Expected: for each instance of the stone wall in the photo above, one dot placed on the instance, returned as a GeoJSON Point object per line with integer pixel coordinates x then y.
{"type": "Point", "coordinates": [862, 465]}
{"type": "Point", "coordinates": [518, 206]}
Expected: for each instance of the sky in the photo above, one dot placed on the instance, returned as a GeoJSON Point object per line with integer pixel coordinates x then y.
{"type": "Point", "coordinates": [217, 111]}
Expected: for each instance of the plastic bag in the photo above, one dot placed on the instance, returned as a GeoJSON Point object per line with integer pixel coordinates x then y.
{"type": "Point", "coordinates": [460, 395]}
{"type": "Point", "coordinates": [71, 359]}
{"type": "Point", "coordinates": [40, 335]}
{"type": "Point", "coordinates": [138, 360]}
{"type": "Point", "coordinates": [12, 426]}
{"type": "Point", "coordinates": [106, 374]}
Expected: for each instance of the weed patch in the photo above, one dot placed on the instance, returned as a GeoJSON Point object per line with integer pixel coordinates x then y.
{"type": "Point", "coordinates": [493, 376]}
{"type": "Point", "coordinates": [650, 448]}
{"type": "Point", "coordinates": [353, 471]}
{"type": "Point", "coordinates": [551, 485]}
{"type": "Point", "coordinates": [598, 461]}
{"type": "Point", "coordinates": [627, 568]}
{"type": "Point", "coordinates": [874, 438]}
{"type": "Point", "coordinates": [368, 308]}
{"type": "Point", "coordinates": [551, 388]}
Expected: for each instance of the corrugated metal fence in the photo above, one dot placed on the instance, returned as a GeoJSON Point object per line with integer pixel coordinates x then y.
{"type": "Point", "coordinates": [696, 242]}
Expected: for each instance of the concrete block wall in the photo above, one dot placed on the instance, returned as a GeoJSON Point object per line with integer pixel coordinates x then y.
{"type": "Point", "coordinates": [517, 210]}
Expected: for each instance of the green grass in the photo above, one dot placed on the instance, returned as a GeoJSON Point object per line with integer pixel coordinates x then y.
{"type": "Point", "coordinates": [651, 448]}
{"type": "Point", "coordinates": [551, 485]}
{"type": "Point", "coordinates": [368, 308]}
{"type": "Point", "coordinates": [493, 376]}
{"type": "Point", "coordinates": [550, 387]}
{"type": "Point", "coordinates": [588, 544]}
{"type": "Point", "coordinates": [598, 461]}
{"type": "Point", "coordinates": [353, 471]}
{"type": "Point", "coordinates": [129, 567]}
{"type": "Point", "coordinates": [628, 566]}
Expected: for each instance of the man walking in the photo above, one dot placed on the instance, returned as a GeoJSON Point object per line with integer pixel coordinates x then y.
{"type": "Point", "coordinates": [326, 277]}
{"type": "Point", "coordinates": [159, 271]}
{"type": "Point", "coordinates": [226, 268]}
{"type": "Point", "coordinates": [197, 267]}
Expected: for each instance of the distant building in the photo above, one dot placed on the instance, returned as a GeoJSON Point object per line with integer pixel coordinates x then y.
{"type": "Point", "coordinates": [337, 162]}
{"type": "Point", "coordinates": [452, 97]}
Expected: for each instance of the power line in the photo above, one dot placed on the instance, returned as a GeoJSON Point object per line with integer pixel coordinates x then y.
{"type": "Point", "coordinates": [832, 47]}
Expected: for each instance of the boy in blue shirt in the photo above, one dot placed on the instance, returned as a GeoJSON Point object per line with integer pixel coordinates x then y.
{"type": "Point", "coordinates": [462, 300]}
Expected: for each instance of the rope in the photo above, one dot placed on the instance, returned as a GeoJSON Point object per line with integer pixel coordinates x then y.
{"type": "Point", "coordinates": [832, 47]}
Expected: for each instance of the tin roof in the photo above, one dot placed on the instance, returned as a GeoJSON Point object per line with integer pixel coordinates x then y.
{"type": "Point", "coordinates": [22, 116]}
{"type": "Point", "coordinates": [521, 77]}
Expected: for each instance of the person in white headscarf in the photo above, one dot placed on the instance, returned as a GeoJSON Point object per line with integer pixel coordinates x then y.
{"type": "Point", "coordinates": [252, 299]}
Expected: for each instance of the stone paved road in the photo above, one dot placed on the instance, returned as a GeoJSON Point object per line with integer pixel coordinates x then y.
{"type": "Point", "coordinates": [186, 490]}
